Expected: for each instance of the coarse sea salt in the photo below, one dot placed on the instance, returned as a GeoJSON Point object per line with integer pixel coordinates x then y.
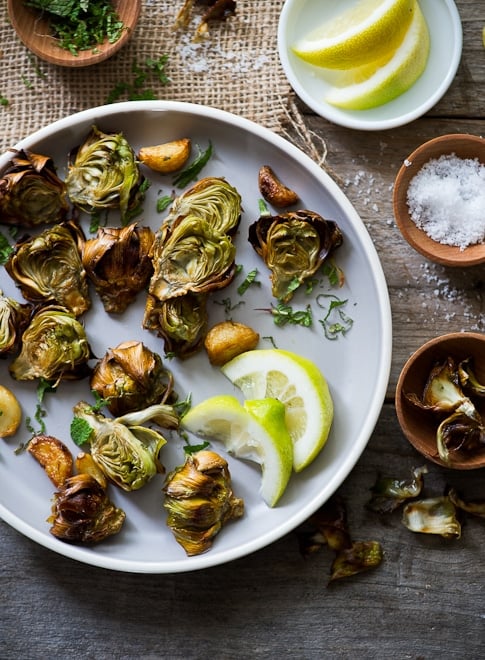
{"type": "Point", "coordinates": [446, 199]}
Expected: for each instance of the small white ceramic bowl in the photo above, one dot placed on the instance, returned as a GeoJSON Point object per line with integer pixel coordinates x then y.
{"type": "Point", "coordinates": [298, 17]}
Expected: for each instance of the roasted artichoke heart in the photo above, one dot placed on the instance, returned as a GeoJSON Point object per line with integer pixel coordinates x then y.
{"type": "Point", "coordinates": [14, 318]}
{"type": "Point", "coordinates": [54, 347]}
{"type": "Point", "coordinates": [83, 513]}
{"type": "Point", "coordinates": [199, 500]}
{"type": "Point", "coordinates": [118, 263]}
{"type": "Point", "coordinates": [31, 193]}
{"type": "Point", "coordinates": [130, 377]}
{"type": "Point", "coordinates": [126, 451]}
{"type": "Point", "coordinates": [104, 174]}
{"type": "Point", "coordinates": [191, 257]}
{"type": "Point", "coordinates": [181, 322]}
{"type": "Point", "coordinates": [212, 199]}
{"type": "Point", "coordinates": [293, 245]}
{"type": "Point", "coordinates": [48, 268]}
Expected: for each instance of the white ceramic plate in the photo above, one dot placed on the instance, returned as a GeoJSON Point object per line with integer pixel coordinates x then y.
{"type": "Point", "coordinates": [356, 366]}
{"type": "Point", "coordinates": [298, 17]}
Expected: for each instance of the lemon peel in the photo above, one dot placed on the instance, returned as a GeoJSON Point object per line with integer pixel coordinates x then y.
{"type": "Point", "coordinates": [299, 385]}
{"type": "Point", "coordinates": [393, 78]}
{"type": "Point", "coordinates": [255, 431]}
{"type": "Point", "coordinates": [364, 33]}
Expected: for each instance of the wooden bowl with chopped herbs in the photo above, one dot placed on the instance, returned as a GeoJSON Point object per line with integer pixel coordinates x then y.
{"type": "Point", "coordinates": [72, 33]}
{"type": "Point", "coordinates": [439, 197]}
{"type": "Point", "coordinates": [440, 400]}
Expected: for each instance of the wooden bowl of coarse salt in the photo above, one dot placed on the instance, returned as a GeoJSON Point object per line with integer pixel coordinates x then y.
{"type": "Point", "coordinates": [439, 199]}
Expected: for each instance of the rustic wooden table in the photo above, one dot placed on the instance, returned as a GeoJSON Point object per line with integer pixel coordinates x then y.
{"type": "Point", "coordinates": [426, 600]}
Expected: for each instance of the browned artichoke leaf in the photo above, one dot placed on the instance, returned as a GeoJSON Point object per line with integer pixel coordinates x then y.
{"type": "Point", "coordinates": [199, 500]}
{"type": "Point", "coordinates": [212, 199]}
{"type": "Point", "coordinates": [293, 246]}
{"type": "Point", "coordinates": [31, 193]}
{"type": "Point", "coordinates": [118, 263]}
{"type": "Point", "coordinates": [14, 318]}
{"type": "Point", "coordinates": [327, 526]}
{"type": "Point", "coordinates": [434, 515]}
{"type": "Point", "coordinates": [130, 377]}
{"type": "Point", "coordinates": [83, 513]}
{"type": "Point", "coordinates": [104, 174]}
{"type": "Point", "coordinates": [47, 268]}
{"type": "Point", "coordinates": [361, 556]}
{"type": "Point", "coordinates": [191, 257]}
{"type": "Point", "coordinates": [181, 322]}
{"type": "Point", "coordinates": [389, 493]}
{"type": "Point", "coordinates": [459, 434]}
{"type": "Point", "coordinates": [54, 347]}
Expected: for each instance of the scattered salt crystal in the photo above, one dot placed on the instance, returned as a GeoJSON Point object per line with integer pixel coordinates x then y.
{"type": "Point", "coordinates": [446, 199]}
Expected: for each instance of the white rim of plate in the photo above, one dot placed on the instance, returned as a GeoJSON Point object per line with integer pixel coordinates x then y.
{"type": "Point", "coordinates": [356, 119]}
{"type": "Point", "coordinates": [208, 560]}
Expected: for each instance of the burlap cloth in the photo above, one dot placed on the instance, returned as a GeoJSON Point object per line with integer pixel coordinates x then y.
{"type": "Point", "coordinates": [236, 69]}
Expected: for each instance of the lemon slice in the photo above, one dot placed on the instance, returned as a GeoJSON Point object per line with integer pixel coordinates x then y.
{"type": "Point", "coordinates": [256, 432]}
{"type": "Point", "coordinates": [388, 80]}
{"type": "Point", "coordinates": [299, 385]}
{"type": "Point", "coordinates": [365, 32]}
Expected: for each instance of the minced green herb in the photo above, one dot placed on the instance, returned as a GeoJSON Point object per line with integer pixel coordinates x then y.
{"type": "Point", "coordinates": [335, 322]}
{"type": "Point", "coordinates": [80, 24]}
{"type": "Point", "coordinates": [80, 431]}
{"type": "Point", "coordinates": [248, 281]}
{"type": "Point", "coordinates": [135, 89]}
{"type": "Point", "coordinates": [163, 203]}
{"type": "Point", "coordinates": [191, 172]}
{"type": "Point", "coordinates": [5, 249]}
{"type": "Point", "coordinates": [4, 100]}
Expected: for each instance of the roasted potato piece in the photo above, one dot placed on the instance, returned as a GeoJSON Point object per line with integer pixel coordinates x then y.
{"type": "Point", "coordinates": [273, 190]}
{"type": "Point", "coordinates": [53, 456]}
{"type": "Point", "coordinates": [166, 158]}
{"type": "Point", "coordinates": [85, 464]}
{"type": "Point", "coordinates": [227, 339]}
{"type": "Point", "coordinates": [10, 412]}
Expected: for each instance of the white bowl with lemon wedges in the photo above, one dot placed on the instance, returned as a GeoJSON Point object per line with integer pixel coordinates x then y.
{"type": "Point", "coordinates": [370, 64]}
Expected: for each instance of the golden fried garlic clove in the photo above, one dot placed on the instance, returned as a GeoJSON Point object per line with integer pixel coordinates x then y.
{"type": "Point", "coordinates": [273, 190]}
{"type": "Point", "coordinates": [53, 456]}
{"type": "Point", "coordinates": [10, 413]}
{"type": "Point", "coordinates": [166, 158]}
{"type": "Point", "coordinates": [228, 339]}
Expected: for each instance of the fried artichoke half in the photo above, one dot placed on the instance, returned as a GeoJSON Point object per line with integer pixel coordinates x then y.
{"type": "Point", "coordinates": [47, 268]}
{"type": "Point", "coordinates": [14, 318]}
{"type": "Point", "coordinates": [181, 322]}
{"type": "Point", "coordinates": [293, 246]}
{"type": "Point", "coordinates": [212, 199]}
{"type": "Point", "coordinates": [118, 263]}
{"type": "Point", "coordinates": [130, 377]}
{"type": "Point", "coordinates": [83, 513]}
{"type": "Point", "coordinates": [31, 193]}
{"type": "Point", "coordinates": [200, 501]}
{"type": "Point", "coordinates": [54, 347]}
{"type": "Point", "coordinates": [104, 174]}
{"type": "Point", "coordinates": [191, 257]}
{"type": "Point", "coordinates": [126, 451]}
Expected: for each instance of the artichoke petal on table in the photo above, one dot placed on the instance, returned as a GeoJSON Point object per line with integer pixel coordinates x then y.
{"type": "Point", "coordinates": [54, 347]}
{"type": "Point", "coordinates": [131, 376]}
{"type": "Point", "coordinates": [199, 500]}
{"type": "Point", "coordinates": [47, 268]}
{"type": "Point", "coordinates": [118, 263]}
{"type": "Point", "coordinates": [191, 257]}
{"type": "Point", "coordinates": [31, 193]}
{"type": "Point", "coordinates": [293, 246]}
{"type": "Point", "coordinates": [104, 174]}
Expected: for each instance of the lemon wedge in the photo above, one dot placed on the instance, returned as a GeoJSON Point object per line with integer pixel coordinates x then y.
{"type": "Point", "coordinates": [255, 431]}
{"type": "Point", "coordinates": [299, 385]}
{"type": "Point", "coordinates": [389, 79]}
{"type": "Point", "coordinates": [365, 32]}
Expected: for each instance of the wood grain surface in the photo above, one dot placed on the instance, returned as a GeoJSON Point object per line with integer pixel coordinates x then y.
{"type": "Point", "coordinates": [426, 600]}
